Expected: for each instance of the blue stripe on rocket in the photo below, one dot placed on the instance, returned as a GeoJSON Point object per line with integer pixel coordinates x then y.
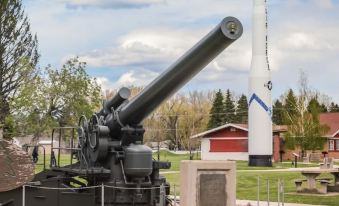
{"type": "Point", "coordinates": [261, 103]}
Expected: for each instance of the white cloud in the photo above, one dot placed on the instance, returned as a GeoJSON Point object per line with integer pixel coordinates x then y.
{"type": "Point", "coordinates": [140, 48]}
{"type": "Point", "coordinates": [326, 4]}
{"type": "Point", "coordinates": [145, 41]}
{"type": "Point", "coordinates": [109, 4]}
{"type": "Point", "coordinates": [130, 78]}
{"type": "Point", "coordinates": [162, 47]}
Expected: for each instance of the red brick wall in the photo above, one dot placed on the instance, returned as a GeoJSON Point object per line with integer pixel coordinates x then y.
{"type": "Point", "coordinates": [276, 148]}
{"type": "Point", "coordinates": [228, 145]}
{"type": "Point", "coordinates": [333, 154]}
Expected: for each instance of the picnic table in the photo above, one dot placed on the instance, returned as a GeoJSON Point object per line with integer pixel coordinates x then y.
{"type": "Point", "coordinates": [311, 179]}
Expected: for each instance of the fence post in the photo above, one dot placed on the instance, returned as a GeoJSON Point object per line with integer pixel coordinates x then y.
{"type": "Point", "coordinates": [258, 191]}
{"type": "Point", "coordinates": [175, 196]}
{"type": "Point", "coordinates": [268, 192]}
{"type": "Point", "coordinates": [283, 192]}
{"type": "Point", "coordinates": [278, 188]}
{"type": "Point", "coordinates": [102, 194]}
{"type": "Point", "coordinates": [23, 195]}
{"type": "Point", "coordinates": [162, 195]}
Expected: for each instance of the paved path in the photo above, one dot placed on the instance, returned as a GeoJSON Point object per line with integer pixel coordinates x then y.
{"type": "Point", "coordinates": [287, 169]}
{"type": "Point", "coordinates": [263, 203]}
{"type": "Point", "coordinates": [272, 170]}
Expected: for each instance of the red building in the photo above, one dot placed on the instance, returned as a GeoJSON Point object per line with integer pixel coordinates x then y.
{"type": "Point", "coordinates": [230, 141]}
{"type": "Point", "coordinates": [332, 121]}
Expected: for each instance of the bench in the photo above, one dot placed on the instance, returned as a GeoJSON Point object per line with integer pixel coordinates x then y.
{"type": "Point", "coordinates": [323, 186]}
{"type": "Point", "coordinates": [298, 184]}
{"type": "Point", "coordinates": [324, 178]}
{"type": "Point", "coordinates": [327, 164]}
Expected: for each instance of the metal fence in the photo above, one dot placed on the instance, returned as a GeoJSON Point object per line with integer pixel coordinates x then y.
{"type": "Point", "coordinates": [265, 188]}
{"type": "Point", "coordinates": [162, 189]}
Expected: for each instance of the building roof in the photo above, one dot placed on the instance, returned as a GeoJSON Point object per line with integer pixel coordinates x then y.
{"type": "Point", "coordinates": [332, 121]}
{"type": "Point", "coordinates": [276, 128]}
{"type": "Point", "coordinates": [16, 167]}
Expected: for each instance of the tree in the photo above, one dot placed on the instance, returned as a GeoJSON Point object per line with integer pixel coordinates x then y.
{"type": "Point", "coordinates": [217, 111]}
{"type": "Point", "coordinates": [278, 113]}
{"type": "Point", "coordinates": [57, 97]}
{"type": "Point", "coordinates": [316, 106]}
{"type": "Point", "coordinates": [333, 107]}
{"type": "Point", "coordinates": [290, 103]}
{"type": "Point", "coordinates": [18, 53]}
{"type": "Point", "coordinates": [72, 92]}
{"type": "Point", "coordinates": [229, 108]}
{"type": "Point", "coordinates": [241, 115]}
{"type": "Point", "coordinates": [170, 112]}
{"type": "Point", "coordinates": [32, 108]}
{"type": "Point", "coordinates": [304, 131]}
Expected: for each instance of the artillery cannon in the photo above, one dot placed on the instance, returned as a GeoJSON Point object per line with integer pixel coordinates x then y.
{"type": "Point", "coordinates": [111, 150]}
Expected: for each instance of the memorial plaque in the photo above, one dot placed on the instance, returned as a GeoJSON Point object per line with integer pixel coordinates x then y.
{"type": "Point", "coordinates": [212, 190]}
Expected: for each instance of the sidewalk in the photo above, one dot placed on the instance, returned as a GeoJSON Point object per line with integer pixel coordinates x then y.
{"type": "Point", "coordinates": [252, 203]}
{"type": "Point", "coordinates": [263, 203]}
{"type": "Point", "coordinates": [299, 169]}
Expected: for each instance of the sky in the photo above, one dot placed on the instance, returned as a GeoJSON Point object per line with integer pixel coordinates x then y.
{"type": "Point", "coordinates": [130, 42]}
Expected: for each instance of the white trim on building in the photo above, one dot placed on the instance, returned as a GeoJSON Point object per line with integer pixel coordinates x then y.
{"type": "Point", "coordinates": [207, 155]}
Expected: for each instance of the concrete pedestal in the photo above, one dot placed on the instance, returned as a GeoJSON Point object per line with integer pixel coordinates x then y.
{"type": "Point", "coordinates": [207, 183]}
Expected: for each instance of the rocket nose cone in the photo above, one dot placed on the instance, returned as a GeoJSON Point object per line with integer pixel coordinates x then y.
{"type": "Point", "coordinates": [231, 27]}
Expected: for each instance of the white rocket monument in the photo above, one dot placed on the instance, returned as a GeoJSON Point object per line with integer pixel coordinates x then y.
{"type": "Point", "coordinates": [260, 85]}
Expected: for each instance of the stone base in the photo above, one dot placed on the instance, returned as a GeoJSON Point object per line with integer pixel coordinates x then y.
{"type": "Point", "coordinates": [260, 160]}
{"type": "Point", "coordinates": [207, 183]}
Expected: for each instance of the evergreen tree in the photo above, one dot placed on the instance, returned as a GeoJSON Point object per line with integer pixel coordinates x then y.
{"type": "Point", "coordinates": [216, 112]}
{"type": "Point", "coordinates": [314, 105]}
{"type": "Point", "coordinates": [334, 107]}
{"type": "Point", "coordinates": [18, 53]}
{"type": "Point", "coordinates": [242, 110]}
{"type": "Point", "coordinates": [278, 113]}
{"type": "Point", "coordinates": [229, 108]}
{"type": "Point", "coordinates": [290, 104]}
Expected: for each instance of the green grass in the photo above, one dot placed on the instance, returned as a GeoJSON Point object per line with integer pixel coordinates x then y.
{"type": "Point", "coordinates": [246, 179]}
{"type": "Point", "coordinates": [64, 160]}
{"type": "Point", "coordinates": [174, 159]}
{"type": "Point", "coordinates": [241, 165]}
{"type": "Point", "coordinates": [247, 187]}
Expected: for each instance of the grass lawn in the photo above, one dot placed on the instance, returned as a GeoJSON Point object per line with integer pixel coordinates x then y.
{"type": "Point", "coordinates": [241, 165]}
{"type": "Point", "coordinates": [246, 179]}
{"type": "Point", "coordinates": [64, 160]}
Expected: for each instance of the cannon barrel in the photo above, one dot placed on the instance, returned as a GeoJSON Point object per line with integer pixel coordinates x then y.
{"type": "Point", "coordinates": [179, 73]}
{"type": "Point", "coordinates": [122, 95]}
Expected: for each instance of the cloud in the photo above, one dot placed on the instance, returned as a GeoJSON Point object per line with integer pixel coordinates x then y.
{"type": "Point", "coordinates": [130, 78]}
{"type": "Point", "coordinates": [158, 49]}
{"type": "Point", "coordinates": [134, 43]}
{"type": "Point", "coordinates": [326, 4]}
{"type": "Point", "coordinates": [111, 4]}
{"type": "Point", "coordinates": [139, 49]}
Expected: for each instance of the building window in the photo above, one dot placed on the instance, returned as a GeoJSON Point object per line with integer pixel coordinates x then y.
{"type": "Point", "coordinates": [331, 145]}
{"type": "Point", "coordinates": [232, 129]}
{"type": "Point", "coordinates": [337, 145]}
